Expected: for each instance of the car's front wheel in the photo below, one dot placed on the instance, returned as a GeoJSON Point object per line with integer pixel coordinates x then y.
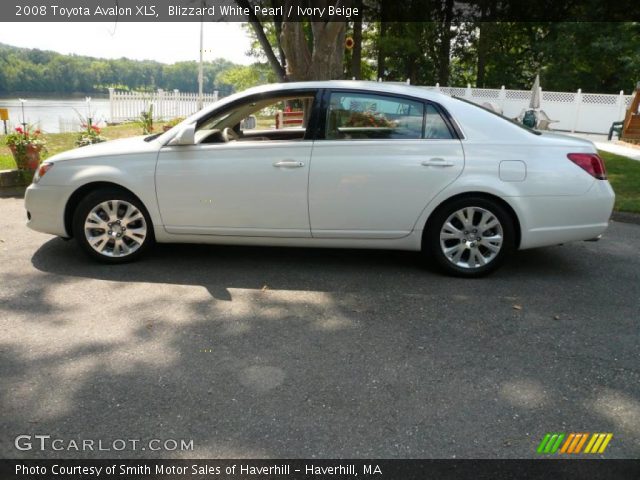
{"type": "Point", "coordinates": [112, 226]}
{"type": "Point", "coordinates": [470, 237]}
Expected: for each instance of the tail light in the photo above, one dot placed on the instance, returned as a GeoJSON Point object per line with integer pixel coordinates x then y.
{"type": "Point", "coordinates": [590, 163]}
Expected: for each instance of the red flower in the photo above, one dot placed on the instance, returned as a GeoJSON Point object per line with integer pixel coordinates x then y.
{"type": "Point", "coordinates": [19, 130]}
{"type": "Point", "coordinates": [95, 128]}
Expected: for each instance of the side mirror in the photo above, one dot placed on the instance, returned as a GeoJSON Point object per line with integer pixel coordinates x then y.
{"type": "Point", "coordinates": [185, 136]}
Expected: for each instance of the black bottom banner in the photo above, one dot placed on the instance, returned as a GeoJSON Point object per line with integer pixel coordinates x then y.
{"type": "Point", "coordinates": [575, 469]}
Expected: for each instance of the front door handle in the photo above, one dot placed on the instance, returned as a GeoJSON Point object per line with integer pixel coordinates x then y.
{"type": "Point", "coordinates": [288, 164]}
{"type": "Point", "coordinates": [437, 162]}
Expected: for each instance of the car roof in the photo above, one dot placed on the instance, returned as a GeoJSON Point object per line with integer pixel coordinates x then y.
{"type": "Point", "coordinates": [369, 86]}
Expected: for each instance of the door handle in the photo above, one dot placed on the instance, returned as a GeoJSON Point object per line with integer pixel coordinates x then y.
{"type": "Point", "coordinates": [288, 164]}
{"type": "Point", "coordinates": [437, 162]}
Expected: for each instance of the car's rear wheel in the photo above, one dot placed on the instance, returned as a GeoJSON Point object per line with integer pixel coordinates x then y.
{"type": "Point", "coordinates": [470, 237]}
{"type": "Point", "coordinates": [112, 226]}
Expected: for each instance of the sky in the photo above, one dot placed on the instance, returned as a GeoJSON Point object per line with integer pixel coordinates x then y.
{"type": "Point", "coordinates": [164, 42]}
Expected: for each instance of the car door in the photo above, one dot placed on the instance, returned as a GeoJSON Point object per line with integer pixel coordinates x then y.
{"type": "Point", "coordinates": [254, 187]}
{"type": "Point", "coordinates": [382, 159]}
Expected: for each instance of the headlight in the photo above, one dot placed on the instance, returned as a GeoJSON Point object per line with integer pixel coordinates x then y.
{"type": "Point", "coordinates": [40, 172]}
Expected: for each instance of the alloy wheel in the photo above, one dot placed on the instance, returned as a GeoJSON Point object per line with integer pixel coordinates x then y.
{"type": "Point", "coordinates": [471, 237]}
{"type": "Point", "coordinates": [115, 228]}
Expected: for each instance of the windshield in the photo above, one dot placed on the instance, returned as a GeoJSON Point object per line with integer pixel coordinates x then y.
{"type": "Point", "coordinates": [507, 119]}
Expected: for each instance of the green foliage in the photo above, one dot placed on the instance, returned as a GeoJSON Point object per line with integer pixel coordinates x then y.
{"type": "Point", "coordinates": [243, 77]}
{"type": "Point", "coordinates": [146, 120]}
{"type": "Point", "coordinates": [596, 57]}
{"type": "Point", "coordinates": [33, 70]}
{"type": "Point", "coordinates": [624, 175]}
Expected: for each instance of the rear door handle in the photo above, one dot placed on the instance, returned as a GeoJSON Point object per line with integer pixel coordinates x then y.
{"type": "Point", "coordinates": [437, 162]}
{"type": "Point", "coordinates": [288, 164]}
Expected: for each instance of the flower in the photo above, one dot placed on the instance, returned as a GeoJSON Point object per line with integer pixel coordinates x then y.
{"type": "Point", "coordinates": [89, 135]}
{"type": "Point", "coordinates": [22, 141]}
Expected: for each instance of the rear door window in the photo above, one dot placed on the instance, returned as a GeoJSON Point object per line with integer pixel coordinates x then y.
{"type": "Point", "coordinates": [363, 116]}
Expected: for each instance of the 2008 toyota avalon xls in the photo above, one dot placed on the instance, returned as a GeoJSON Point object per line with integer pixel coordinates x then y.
{"type": "Point", "coordinates": [349, 164]}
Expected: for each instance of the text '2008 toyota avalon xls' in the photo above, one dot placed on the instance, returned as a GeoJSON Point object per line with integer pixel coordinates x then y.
{"type": "Point", "coordinates": [347, 165]}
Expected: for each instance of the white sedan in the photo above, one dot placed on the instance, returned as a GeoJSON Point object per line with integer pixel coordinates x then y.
{"type": "Point", "coordinates": [330, 164]}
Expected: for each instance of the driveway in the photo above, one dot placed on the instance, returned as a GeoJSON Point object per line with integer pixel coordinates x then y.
{"type": "Point", "coordinates": [258, 352]}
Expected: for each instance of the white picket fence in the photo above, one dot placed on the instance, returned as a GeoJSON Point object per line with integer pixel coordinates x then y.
{"type": "Point", "coordinates": [573, 111]}
{"type": "Point", "coordinates": [124, 106]}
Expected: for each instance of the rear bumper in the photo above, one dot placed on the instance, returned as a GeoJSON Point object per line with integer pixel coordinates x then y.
{"type": "Point", "coordinates": [560, 219]}
{"type": "Point", "coordinates": [45, 209]}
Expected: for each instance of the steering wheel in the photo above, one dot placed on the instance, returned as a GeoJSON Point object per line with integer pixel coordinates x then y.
{"type": "Point", "coordinates": [229, 134]}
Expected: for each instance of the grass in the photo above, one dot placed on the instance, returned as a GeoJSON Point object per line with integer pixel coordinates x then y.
{"type": "Point", "coordinates": [624, 173]}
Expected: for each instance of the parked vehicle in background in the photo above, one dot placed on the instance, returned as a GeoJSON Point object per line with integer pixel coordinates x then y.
{"type": "Point", "coordinates": [371, 165]}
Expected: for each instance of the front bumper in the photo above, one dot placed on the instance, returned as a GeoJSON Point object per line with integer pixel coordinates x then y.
{"type": "Point", "coordinates": [45, 209]}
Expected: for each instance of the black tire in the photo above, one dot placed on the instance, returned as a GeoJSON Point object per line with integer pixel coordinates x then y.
{"type": "Point", "coordinates": [137, 247]}
{"type": "Point", "coordinates": [432, 247]}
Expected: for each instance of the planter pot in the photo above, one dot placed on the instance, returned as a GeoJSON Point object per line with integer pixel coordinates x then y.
{"type": "Point", "coordinates": [27, 160]}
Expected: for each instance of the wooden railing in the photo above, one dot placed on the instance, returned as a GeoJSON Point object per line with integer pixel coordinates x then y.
{"type": "Point", "coordinates": [632, 112]}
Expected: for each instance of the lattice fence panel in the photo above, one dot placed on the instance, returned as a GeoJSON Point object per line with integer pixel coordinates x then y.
{"type": "Point", "coordinates": [599, 99]}
{"type": "Point", "coordinates": [563, 97]}
{"type": "Point", "coordinates": [484, 93]}
{"type": "Point", "coordinates": [517, 95]}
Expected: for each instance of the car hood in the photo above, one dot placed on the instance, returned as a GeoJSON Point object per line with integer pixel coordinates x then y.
{"type": "Point", "coordinates": [123, 146]}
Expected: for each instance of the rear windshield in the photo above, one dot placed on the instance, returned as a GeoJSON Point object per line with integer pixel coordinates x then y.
{"type": "Point", "coordinates": [524, 127]}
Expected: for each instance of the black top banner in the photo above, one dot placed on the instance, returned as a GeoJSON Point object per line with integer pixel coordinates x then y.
{"type": "Point", "coordinates": [303, 469]}
{"type": "Point", "coordinates": [318, 10]}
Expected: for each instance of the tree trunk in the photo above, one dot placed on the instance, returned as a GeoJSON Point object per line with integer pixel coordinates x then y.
{"type": "Point", "coordinates": [444, 52]}
{"type": "Point", "coordinates": [482, 55]}
{"type": "Point", "coordinates": [356, 58]}
{"type": "Point", "coordinates": [381, 53]}
{"type": "Point", "coordinates": [485, 33]}
{"type": "Point", "coordinates": [325, 62]}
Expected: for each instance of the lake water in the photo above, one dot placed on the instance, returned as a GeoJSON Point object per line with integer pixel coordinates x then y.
{"type": "Point", "coordinates": [55, 115]}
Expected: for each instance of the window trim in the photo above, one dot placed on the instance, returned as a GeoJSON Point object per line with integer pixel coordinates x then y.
{"type": "Point", "coordinates": [323, 111]}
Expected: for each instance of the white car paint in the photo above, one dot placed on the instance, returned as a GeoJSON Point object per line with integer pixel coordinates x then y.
{"type": "Point", "coordinates": [361, 193]}
{"type": "Point", "coordinates": [234, 189]}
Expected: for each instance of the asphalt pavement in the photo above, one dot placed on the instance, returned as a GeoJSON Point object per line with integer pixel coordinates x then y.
{"type": "Point", "coordinates": [271, 353]}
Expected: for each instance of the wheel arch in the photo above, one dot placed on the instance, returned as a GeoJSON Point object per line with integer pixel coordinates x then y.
{"type": "Point", "coordinates": [501, 201]}
{"type": "Point", "coordinates": [81, 192]}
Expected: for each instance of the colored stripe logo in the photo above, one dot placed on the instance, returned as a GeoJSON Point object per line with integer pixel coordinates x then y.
{"type": "Point", "coordinates": [573, 443]}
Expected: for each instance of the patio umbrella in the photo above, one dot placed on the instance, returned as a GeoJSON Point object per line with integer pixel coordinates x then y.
{"type": "Point", "coordinates": [534, 103]}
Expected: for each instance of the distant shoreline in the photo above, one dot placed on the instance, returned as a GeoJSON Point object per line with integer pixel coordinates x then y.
{"type": "Point", "coordinates": [53, 95]}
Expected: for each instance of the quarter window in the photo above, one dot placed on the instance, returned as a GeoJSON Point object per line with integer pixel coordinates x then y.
{"type": "Point", "coordinates": [435, 126]}
{"type": "Point", "coordinates": [367, 116]}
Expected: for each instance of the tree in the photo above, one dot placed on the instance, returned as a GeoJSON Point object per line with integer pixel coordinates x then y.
{"type": "Point", "coordinates": [243, 77]}
{"type": "Point", "coordinates": [309, 50]}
